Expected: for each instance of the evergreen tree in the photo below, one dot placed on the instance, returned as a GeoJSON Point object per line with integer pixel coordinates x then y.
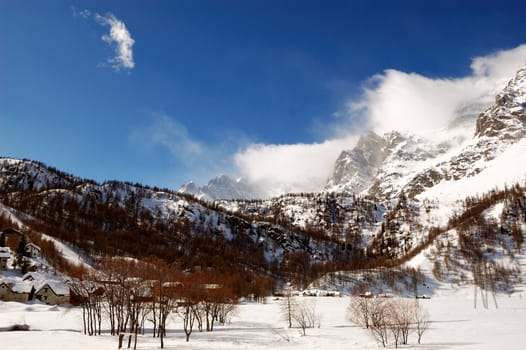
{"type": "Point", "coordinates": [20, 254]}
{"type": "Point", "coordinates": [21, 250]}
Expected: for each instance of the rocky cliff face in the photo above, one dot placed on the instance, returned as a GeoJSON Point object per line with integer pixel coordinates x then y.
{"type": "Point", "coordinates": [354, 169]}
{"type": "Point", "coordinates": [506, 119]}
{"type": "Point", "coordinates": [381, 165]}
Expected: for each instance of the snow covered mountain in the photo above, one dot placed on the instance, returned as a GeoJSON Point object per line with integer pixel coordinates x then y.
{"type": "Point", "coordinates": [379, 165]}
{"type": "Point", "coordinates": [119, 218]}
{"type": "Point", "coordinates": [498, 145]}
{"type": "Point", "coordinates": [387, 166]}
{"type": "Point", "coordinates": [221, 187]}
{"type": "Point", "coordinates": [389, 197]}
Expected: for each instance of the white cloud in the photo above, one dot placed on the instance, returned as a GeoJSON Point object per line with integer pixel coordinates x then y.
{"type": "Point", "coordinates": [501, 64]}
{"type": "Point", "coordinates": [393, 100]}
{"type": "Point", "coordinates": [174, 136]}
{"type": "Point", "coordinates": [275, 169]}
{"type": "Point", "coordinates": [414, 103]}
{"type": "Point", "coordinates": [120, 38]}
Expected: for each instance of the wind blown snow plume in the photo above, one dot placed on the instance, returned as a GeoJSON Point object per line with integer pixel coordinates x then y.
{"type": "Point", "coordinates": [120, 38]}
{"type": "Point", "coordinates": [410, 102]}
{"type": "Point", "coordinates": [392, 100]}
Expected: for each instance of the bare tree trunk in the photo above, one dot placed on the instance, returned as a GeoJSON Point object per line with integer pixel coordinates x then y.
{"type": "Point", "coordinates": [121, 337]}
{"type": "Point", "coordinates": [84, 317]}
{"type": "Point", "coordinates": [161, 333]}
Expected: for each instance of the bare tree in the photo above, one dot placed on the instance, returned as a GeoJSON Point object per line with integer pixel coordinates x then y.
{"type": "Point", "coordinates": [305, 316]}
{"type": "Point", "coordinates": [166, 290]}
{"type": "Point", "coordinates": [400, 315]}
{"type": "Point", "coordinates": [226, 311]}
{"type": "Point", "coordinates": [389, 319]}
{"type": "Point", "coordinates": [421, 320]}
{"type": "Point", "coordinates": [358, 311]}
{"type": "Point", "coordinates": [288, 305]}
{"type": "Point", "coordinates": [378, 317]}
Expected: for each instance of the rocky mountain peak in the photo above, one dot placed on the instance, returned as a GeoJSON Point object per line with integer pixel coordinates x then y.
{"type": "Point", "coordinates": [355, 170]}
{"type": "Point", "coordinates": [506, 118]}
{"type": "Point", "coordinates": [220, 187]}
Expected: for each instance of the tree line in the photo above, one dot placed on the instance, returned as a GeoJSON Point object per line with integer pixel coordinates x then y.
{"type": "Point", "coordinates": [127, 294]}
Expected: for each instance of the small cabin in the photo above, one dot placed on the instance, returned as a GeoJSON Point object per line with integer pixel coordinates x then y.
{"type": "Point", "coordinates": [32, 250]}
{"type": "Point", "coordinates": [15, 291]}
{"type": "Point", "coordinates": [5, 289]}
{"type": "Point", "coordinates": [52, 293]}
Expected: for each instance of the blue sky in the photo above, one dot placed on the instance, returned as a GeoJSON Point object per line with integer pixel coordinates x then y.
{"type": "Point", "coordinates": [199, 86]}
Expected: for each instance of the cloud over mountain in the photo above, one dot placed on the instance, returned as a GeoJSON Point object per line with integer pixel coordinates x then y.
{"type": "Point", "coordinates": [392, 100]}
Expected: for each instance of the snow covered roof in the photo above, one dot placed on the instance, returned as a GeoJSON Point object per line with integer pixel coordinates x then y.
{"type": "Point", "coordinates": [5, 252]}
{"type": "Point", "coordinates": [172, 284]}
{"type": "Point", "coordinates": [32, 245]}
{"type": "Point", "coordinates": [34, 276]}
{"type": "Point", "coordinates": [22, 287]}
{"type": "Point", "coordinates": [16, 285]}
{"type": "Point", "coordinates": [57, 287]}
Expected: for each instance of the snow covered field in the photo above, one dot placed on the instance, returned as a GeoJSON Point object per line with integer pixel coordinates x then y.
{"type": "Point", "coordinates": [456, 324]}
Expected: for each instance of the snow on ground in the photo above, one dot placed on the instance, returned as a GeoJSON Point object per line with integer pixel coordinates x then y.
{"type": "Point", "coordinates": [507, 169]}
{"type": "Point", "coordinates": [11, 214]}
{"type": "Point", "coordinates": [68, 253]}
{"type": "Point", "coordinates": [456, 324]}
{"type": "Point", "coordinates": [494, 212]}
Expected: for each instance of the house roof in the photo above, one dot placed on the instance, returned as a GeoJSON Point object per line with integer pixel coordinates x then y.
{"type": "Point", "coordinates": [16, 285]}
{"type": "Point", "coordinates": [58, 288]}
{"type": "Point", "coordinates": [33, 275]}
{"type": "Point", "coordinates": [33, 245]}
{"type": "Point", "coordinates": [22, 287]}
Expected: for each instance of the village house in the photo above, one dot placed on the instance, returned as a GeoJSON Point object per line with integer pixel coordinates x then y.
{"type": "Point", "coordinates": [5, 253]}
{"type": "Point", "coordinates": [5, 289]}
{"type": "Point", "coordinates": [52, 293]}
{"type": "Point", "coordinates": [15, 291]}
{"type": "Point", "coordinates": [32, 250]}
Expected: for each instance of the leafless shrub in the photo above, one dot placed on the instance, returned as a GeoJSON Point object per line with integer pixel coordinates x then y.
{"type": "Point", "coordinates": [389, 319]}
{"type": "Point", "coordinates": [358, 311]}
{"type": "Point", "coordinates": [399, 319]}
{"type": "Point", "coordinates": [305, 315]}
{"type": "Point", "coordinates": [379, 314]}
